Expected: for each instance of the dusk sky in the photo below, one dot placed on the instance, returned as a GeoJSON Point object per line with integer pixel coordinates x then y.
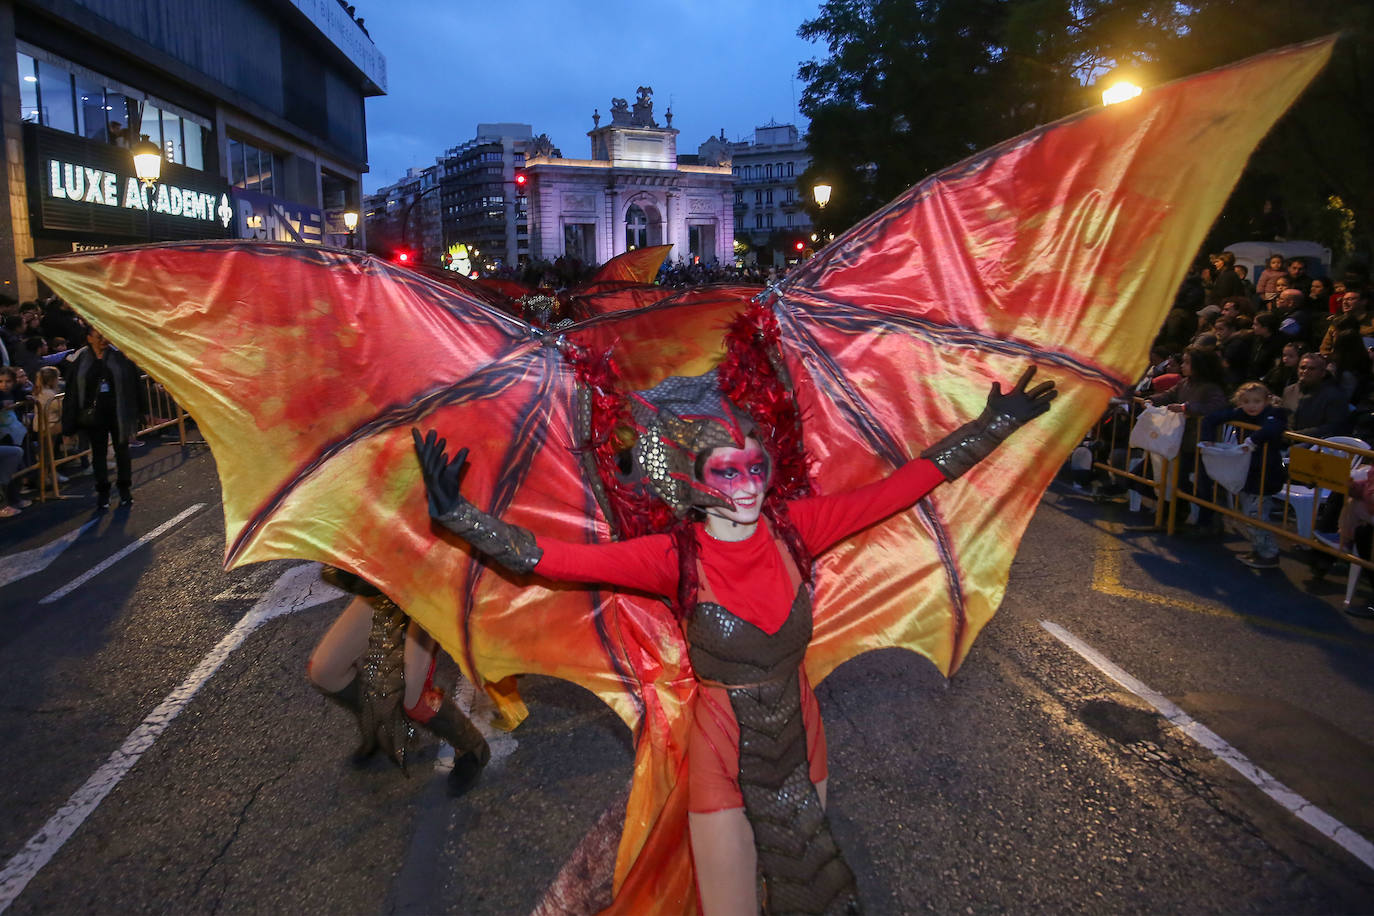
{"type": "Point", "coordinates": [451, 65]}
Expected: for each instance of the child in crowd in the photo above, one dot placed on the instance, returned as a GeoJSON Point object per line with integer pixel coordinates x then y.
{"type": "Point", "coordinates": [1267, 475]}
{"type": "Point", "coordinates": [1265, 286]}
{"type": "Point", "coordinates": [47, 413]}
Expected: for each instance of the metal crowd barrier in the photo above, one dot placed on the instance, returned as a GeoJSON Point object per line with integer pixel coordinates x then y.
{"type": "Point", "coordinates": [158, 411]}
{"type": "Point", "coordinates": [1317, 469]}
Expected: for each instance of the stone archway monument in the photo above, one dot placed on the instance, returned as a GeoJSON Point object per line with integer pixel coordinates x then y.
{"type": "Point", "coordinates": [633, 191]}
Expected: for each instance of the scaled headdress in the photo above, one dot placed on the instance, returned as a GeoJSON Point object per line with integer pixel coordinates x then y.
{"type": "Point", "coordinates": [651, 485]}
{"type": "Point", "coordinates": [678, 420]}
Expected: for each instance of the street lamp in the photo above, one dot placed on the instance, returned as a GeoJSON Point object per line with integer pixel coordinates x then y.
{"type": "Point", "coordinates": [147, 160]}
{"type": "Point", "coordinates": [148, 168]}
{"type": "Point", "coordinates": [821, 193]}
{"type": "Point", "coordinates": [350, 223]}
{"type": "Point", "coordinates": [1120, 91]}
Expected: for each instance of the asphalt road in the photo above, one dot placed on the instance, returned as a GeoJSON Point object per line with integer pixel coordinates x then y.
{"type": "Point", "coordinates": [1029, 783]}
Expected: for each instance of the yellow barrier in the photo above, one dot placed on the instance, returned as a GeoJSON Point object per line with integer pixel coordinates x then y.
{"type": "Point", "coordinates": [1315, 465]}
{"type": "Point", "coordinates": [159, 412]}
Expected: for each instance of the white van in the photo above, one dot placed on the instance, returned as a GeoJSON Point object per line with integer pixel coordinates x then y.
{"type": "Point", "coordinates": [1255, 256]}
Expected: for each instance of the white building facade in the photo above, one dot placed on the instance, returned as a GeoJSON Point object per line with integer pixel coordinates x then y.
{"type": "Point", "coordinates": [769, 214]}
{"type": "Point", "coordinates": [630, 194]}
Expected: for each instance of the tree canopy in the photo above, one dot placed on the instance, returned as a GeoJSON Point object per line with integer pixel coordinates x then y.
{"type": "Point", "coordinates": [908, 87]}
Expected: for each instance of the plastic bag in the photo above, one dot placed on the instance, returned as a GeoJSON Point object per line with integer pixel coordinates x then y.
{"type": "Point", "coordinates": [1158, 431]}
{"type": "Point", "coordinates": [1227, 463]}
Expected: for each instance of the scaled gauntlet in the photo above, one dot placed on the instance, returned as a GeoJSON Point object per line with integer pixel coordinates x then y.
{"type": "Point", "coordinates": [957, 453]}
{"type": "Point", "coordinates": [510, 545]}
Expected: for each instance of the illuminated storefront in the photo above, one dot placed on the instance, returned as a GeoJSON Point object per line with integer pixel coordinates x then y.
{"type": "Point", "coordinates": [84, 194]}
{"type": "Point", "coordinates": [262, 130]}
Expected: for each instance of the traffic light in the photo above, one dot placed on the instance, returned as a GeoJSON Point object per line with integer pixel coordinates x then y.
{"type": "Point", "coordinates": [404, 256]}
{"type": "Point", "coordinates": [521, 179]}
{"type": "Point", "coordinates": [799, 246]}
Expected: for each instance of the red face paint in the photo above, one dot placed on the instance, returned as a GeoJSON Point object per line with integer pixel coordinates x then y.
{"type": "Point", "coordinates": [737, 470]}
{"type": "Point", "coordinates": [741, 475]}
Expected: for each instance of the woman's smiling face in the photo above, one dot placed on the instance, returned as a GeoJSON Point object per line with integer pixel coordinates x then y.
{"type": "Point", "coordinates": [741, 475]}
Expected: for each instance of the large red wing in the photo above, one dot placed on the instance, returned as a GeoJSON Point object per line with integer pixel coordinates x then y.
{"type": "Point", "coordinates": [306, 369]}
{"type": "Point", "coordinates": [1061, 249]}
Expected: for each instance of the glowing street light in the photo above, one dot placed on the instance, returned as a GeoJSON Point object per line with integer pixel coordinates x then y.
{"type": "Point", "coordinates": [1120, 91]}
{"type": "Point", "coordinates": [147, 160]}
{"type": "Point", "coordinates": [350, 220]}
{"type": "Point", "coordinates": [821, 193]}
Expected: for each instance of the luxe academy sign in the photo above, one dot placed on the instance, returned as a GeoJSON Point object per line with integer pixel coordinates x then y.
{"type": "Point", "coordinates": [81, 186]}
{"type": "Point", "coordinates": [73, 181]}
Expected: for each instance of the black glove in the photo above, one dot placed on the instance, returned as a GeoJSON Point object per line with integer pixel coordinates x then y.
{"type": "Point", "coordinates": [510, 545]}
{"type": "Point", "coordinates": [958, 452]}
{"type": "Point", "coordinates": [442, 477]}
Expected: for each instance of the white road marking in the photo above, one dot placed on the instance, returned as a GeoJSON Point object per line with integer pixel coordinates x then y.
{"type": "Point", "coordinates": [25, 563]}
{"type": "Point", "coordinates": [107, 563]}
{"type": "Point", "coordinates": [1300, 807]}
{"type": "Point", "coordinates": [297, 589]}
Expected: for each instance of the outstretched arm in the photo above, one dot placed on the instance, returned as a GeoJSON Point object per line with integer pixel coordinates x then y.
{"type": "Point", "coordinates": [958, 452]}
{"type": "Point", "coordinates": [648, 564]}
{"type": "Point", "coordinates": [826, 520]}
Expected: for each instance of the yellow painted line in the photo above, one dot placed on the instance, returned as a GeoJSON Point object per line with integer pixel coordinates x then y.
{"type": "Point", "coordinates": [1107, 581]}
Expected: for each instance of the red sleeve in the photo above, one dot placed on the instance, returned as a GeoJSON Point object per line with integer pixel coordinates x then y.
{"type": "Point", "coordinates": [648, 564]}
{"type": "Point", "coordinates": [823, 521]}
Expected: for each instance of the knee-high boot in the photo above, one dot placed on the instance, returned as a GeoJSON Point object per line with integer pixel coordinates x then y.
{"type": "Point", "coordinates": [441, 716]}
{"type": "Point", "coordinates": [350, 698]}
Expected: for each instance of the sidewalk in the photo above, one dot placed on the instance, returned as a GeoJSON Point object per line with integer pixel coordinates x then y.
{"type": "Point", "coordinates": [77, 503]}
{"type": "Point", "coordinates": [1295, 577]}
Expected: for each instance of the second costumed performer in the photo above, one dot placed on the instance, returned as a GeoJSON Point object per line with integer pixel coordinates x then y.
{"type": "Point", "coordinates": [736, 569]}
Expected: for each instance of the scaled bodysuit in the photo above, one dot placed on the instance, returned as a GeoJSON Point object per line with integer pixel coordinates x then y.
{"type": "Point", "coordinates": [757, 741]}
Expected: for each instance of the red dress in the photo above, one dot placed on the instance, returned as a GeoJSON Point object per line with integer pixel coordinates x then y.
{"type": "Point", "coordinates": [754, 578]}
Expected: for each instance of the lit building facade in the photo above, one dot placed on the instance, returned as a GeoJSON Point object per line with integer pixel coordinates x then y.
{"type": "Point", "coordinates": [631, 193]}
{"type": "Point", "coordinates": [483, 207]}
{"type": "Point", "coordinates": [258, 109]}
{"type": "Point", "coordinates": [769, 216]}
{"type": "Point", "coordinates": [406, 216]}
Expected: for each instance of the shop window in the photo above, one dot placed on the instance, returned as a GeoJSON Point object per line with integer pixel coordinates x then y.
{"type": "Point", "coordinates": [91, 120]}
{"type": "Point", "coordinates": [70, 98]}
{"type": "Point", "coordinates": [172, 148]}
{"type": "Point", "coordinates": [55, 97]}
{"type": "Point", "coordinates": [121, 113]}
{"type": "Point", "coordinates": [251, 168]}
{"type": "Point", "coordinates": [151, 125]}
{"type": "Point", "coordinates": [194, 141]}
{"type": "Point", "coordinates": [28, 89]}
{"type": "Point", "coordinates": [237, 172]}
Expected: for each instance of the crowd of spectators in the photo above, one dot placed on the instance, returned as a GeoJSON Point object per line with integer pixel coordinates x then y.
{"type": "Point", "coordinates": [47, 349]}
{"type": "Point", "coordinates": [1301, 337]}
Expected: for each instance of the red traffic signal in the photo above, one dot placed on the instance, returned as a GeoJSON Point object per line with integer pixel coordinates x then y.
{"type": "Point", "coordinates": [800, 246]}
{"type": "Point", "coordinates": [403, 256]}
{"type": "Point", "coordinates": [521, 179]}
